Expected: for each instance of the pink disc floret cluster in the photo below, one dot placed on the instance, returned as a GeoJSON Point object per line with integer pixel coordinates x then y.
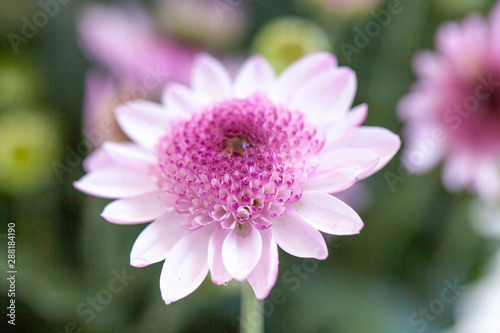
{"type": "Point", "coordinates": [229, 170]}
{"type": "Point", "coordinates": [240, 160]}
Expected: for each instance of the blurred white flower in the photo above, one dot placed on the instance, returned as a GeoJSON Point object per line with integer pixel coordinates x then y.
{"type": "Point", "coordinates": [478, 309]}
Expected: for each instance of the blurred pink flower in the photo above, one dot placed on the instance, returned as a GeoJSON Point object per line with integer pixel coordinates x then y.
{"type": "Point", "coordinates": [137, 60]}
{"type": "Point", "coordinates": [453, 111]}
{"type": "Point", "coordinates": [231, 169]}
{"type": "Point", "coordinates": [124, 40]}
{"type": "Point", "coordinates": [102, 95]}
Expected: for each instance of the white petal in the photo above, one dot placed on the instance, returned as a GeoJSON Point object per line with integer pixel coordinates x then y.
{"type": "Point", "coordinates": [457, 172]}
{"type": "Point", "coordinates": [422, 151]}
{"type": "Point", "coordinates": [298, 74]}
{"type": "Point", "coordinates": [487, 181]}
{"type": "Point", "coordinates": [210, 80]}
{"type": "Point", "coordinates": [328, 214]}
{"type": "Point", "coordinates": [380, 141]}
{"type": "Point", "coordinates": [255, 75]}
{"type": "Point", "coordinates": [116, 183]}
{"type": "Point", "coordinates": [98, 159]}
{"type": "Point", "coordinates": [180, 100]}
{"type": "Point", "coordinates": [265, 273]}
{"type": "Point", "coordinates": [129, 154]}
{"type": "Point", "coordinates": [352, 119]}
{"type": "Point", "coordinates": [297, 237]}
{"type": "Point", "coordinates": [357, 160]}
{"type": "Point", "coordinates": [218, 272]}
{"type": "Point", "coordinates": [328, 96]}
{"type": "Point", "coordinates": [186, 266]}
{"type": "Point", "coordinates": [144, 122]}
{"type": "Point", "coordinates": [242, 250]}
{"type": "Point", "coordinates": [157, 239]}
{"type": "Point", "coordinates": [332, 181]}
{"type": "Point", "coordinates": [132, 210]}
{"type": "Point", "coordinates": [495, 29]}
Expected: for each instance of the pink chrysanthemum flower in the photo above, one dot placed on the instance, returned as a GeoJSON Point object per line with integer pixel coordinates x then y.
{"type": "Point", "coordinates": [125, 40]}
{"type": "Point", "coordinates": [228, 170]}
{"type": "Point", "coordinates": [453, 112]}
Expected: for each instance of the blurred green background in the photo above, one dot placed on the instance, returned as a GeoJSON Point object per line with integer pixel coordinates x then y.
{"type": "Point", "coordinates": [416, 236]}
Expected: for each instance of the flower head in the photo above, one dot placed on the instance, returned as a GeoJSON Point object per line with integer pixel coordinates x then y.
{"type": "Point", "coordinates": [284, 40]}
{"type": "Point", "coordinates": [230, 170]}
{"type": "Point", "coordinates": [453, 112]}
{"type": "Point", "coordinates": [29, 146]}
{"type": "Point", "coordinates": [125, 41]}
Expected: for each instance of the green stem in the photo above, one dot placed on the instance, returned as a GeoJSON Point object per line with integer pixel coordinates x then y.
{"type": "Point", "coordinates": [252, 311]}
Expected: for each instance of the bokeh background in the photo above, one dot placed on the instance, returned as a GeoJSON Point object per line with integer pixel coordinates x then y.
{"type": "Point", "coordinates": [64, 75]}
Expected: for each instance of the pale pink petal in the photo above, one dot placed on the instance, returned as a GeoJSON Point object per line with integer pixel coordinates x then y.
{"type": "Point", "coordinates": [143, 121]}
{"type": "Point", "coordinates": [380, 141]}
{"type": "Point", "coordinates": [180, 100]}
{"type": "Point", "coordinates": [210, 80]}
{"type": "Point", "coordinates": [423, 151]}
{"type": "Point", "coordinates": [255, 75]}
{"type": "Point", "coordinates": [361, 161]}
{"type": "Point", "coordinates": [298, 74]}
{"type": "Point", "coordinates": [495, 30]}
{"type": "Point", "coordinates": [115, 182]}
{"type": "Point", "coordinates": [331, 181]}
{"type": "Point", "coordinates": [242, 250]}
{"type": "Point", "coordinates": [132, 210]}
{"type": "Point", "coordinates": [157, 239]}
{"type": "Point", "coordinates": [328, 96]}
{"type": "Point", "coordinates": [297, 237]}
{"type": "Point", "coordinates": [98, 159]}
{"type": "Point", "coordinates": [341, 168]}
{"type": "Point", "coordinates": [186, 266]}
{"type": "Point", "coordinates": [328, 214]}
{"type": "Point", "coordinates": [129, 155]}
{"type": "Point", "coordinates": [487, 181]}
{"type": "Point", "coordinates": [265, 273]}
{"type": "Point", "coordinates": [457, 172]}
{"type": "Point", "coordinates": [352, 119]}
{"type": "Point", "coordinates": [218, 272]}
{"type": "Point", "coordinates": [429, 64]}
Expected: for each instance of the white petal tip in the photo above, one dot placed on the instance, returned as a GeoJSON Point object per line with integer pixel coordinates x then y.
{"type": "Point", "coordinates": [76, 184]}
{"type": "Point", "coordinates": [321, 255]}
{"type": "Point", "coordinates": [139, 262]}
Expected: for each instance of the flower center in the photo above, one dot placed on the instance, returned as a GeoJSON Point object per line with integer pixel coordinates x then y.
{"type": "Point", "coordinates": [235, 145]}
{"type": "Point", "coordinates": [472, 115]}
{"type": "Point", "coordinates": [236, 161]}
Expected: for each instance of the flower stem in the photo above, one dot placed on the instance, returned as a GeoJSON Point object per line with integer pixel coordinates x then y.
{"type": "Point", "coordinates": [252, 311]}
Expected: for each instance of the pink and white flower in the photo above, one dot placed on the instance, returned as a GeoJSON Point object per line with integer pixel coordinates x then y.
{"type": "Point", "coordinates": [125, 40]}
{"type": "Point", "coordinates": [228, 170]}
{"type": "Point", "coordinates": [453, 111]}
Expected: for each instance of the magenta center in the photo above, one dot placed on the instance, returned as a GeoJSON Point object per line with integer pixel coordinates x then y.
{"type": "Point", "coordinates": [236, 161]}
{"type": "Point", "coordinates": [472, 113]}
